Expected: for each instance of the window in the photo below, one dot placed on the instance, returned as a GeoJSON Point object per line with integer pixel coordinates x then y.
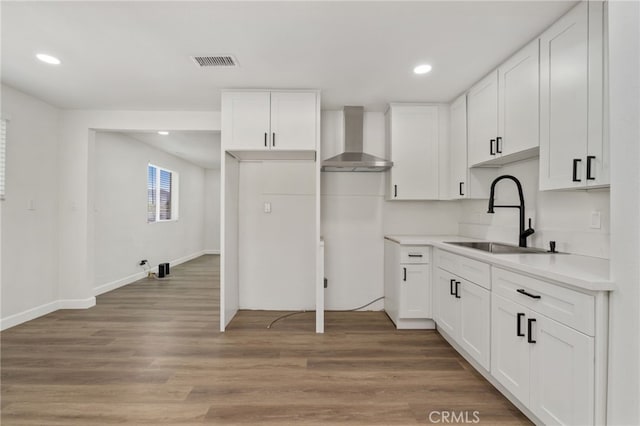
{"type": "Point", "coordinates": [3, 150]}
{"type": "Point", "coordinates": [162, 194]}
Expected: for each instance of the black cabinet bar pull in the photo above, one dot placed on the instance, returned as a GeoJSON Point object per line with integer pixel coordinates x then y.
{"type": "Point", "coordinates": [519, 332]}
{"type": "Point", "coordinates": [451, 287]}
{"type": "Point", "coordinates": [575, 170]}
{"type": "Point", "coordinates": [498, 147]}
{"type": "Point", "coordinates": [415, 255]}
{"type": "Point", "coordinates": [590, 158]}
{"type": "Point", "coordinates": [395, 190]}
{"type": "Point", "coordinates": [273, 139]}
{"type": "Point", "coordinates": [460, 188]}
{"type": "Point", "coordinates": [530, 322]}
{"type": "Point", "coordinates": [265, 138]}
{"type": "Point", "coordinates": [457, 288]}
{"type": "Point", "coordinates": [404, 277]}
{"type": "Point", "coordinates": [491, 151]}
{"type": "Point", "coordinates": [523, 291]}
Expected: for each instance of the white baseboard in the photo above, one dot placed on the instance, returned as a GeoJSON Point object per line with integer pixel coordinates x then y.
{"type": "Point", "coordinates": [104, 288]}
{"type": "Point", "coordinates": [47, 308]}
{"type": "Point", "coordinates": [209, 251]}
{"type": "Point", "coordinates": [77, 303]}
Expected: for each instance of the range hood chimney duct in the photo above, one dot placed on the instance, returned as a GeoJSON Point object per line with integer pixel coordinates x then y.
{"type": "Point", "coordinates": [354, 159]}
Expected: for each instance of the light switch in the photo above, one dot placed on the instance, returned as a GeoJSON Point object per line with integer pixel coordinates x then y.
{"type": "Point", "coordinates": [31, 205]}
{"type": "Point", "coordinates": [595, 220]}
{"type": "Point", "coordinates": [267, 207]}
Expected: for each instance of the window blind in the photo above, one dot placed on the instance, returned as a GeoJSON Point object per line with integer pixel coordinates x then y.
{"type": "Point", "coordinates": [3, 150]}
{"type": "Point", "coordinates": [151, 193]}
{"type": "Point", "coordinates": [165, 194]}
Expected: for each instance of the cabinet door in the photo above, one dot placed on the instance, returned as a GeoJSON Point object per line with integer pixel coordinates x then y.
{"type": "Point", "coordinates": [562, 374]}
{"type": "Point", "coordinates": [293, 121]}
{"type": "Point", "coordinates": [598, 139]}
{"type": "Point", "coordinates": [482, 115]}
{"type": "Point", "coordinates": [475, 321]}
{"type": "Point", "coordinates": [414, 291]}
{"type": "Point", "coordinates": [458, 154]}
{"type": "Point", "coordinates": [510, 351]}
{"type": "Point", "coordinates": [563, 101]}
{"type": "Point", "coordinates": [448, 306]}
{"type": "Point", "coordinates": [245, 120]}
{"type": "Point", "coordinates": [518, 81]}
{"type": "Point", "coordinates": [414, 152]}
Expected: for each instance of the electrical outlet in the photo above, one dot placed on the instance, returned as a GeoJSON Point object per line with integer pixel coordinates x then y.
{"type": "Point", "coordinates": [595, 220]}
{"type": "Point", "coordinates": [267, 207]}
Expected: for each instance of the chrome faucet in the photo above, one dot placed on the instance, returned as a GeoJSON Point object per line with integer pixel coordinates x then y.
{"type": "Point", "coordinates": [524, 233]}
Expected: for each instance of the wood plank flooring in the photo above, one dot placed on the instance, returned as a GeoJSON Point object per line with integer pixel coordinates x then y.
{"type": "Point", "coordinates": [151, 353]}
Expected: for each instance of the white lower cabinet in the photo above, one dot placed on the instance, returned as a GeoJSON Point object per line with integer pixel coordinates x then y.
{"type": "Point", "coordinates": [562, 374]}
{"type": "Point", "coordinates": [475, 317]}
{"type": "Point", "coordinates": [464, 314]}
{"type": "Point", "coordinates": [407, 285]}
{"type": "Point", "coordinates": [543, 342]}
{"type": "Point", "coordinates": [546, 365]}
{"type": "Point", "coordinates": [414, 286]}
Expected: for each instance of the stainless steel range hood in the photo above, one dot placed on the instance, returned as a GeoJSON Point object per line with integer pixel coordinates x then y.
{"type": "Point", "coordinates": [353, 159]}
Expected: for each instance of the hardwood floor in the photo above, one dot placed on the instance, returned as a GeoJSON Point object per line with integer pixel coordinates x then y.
{"type": "Point", "coordinates": [151, 353]}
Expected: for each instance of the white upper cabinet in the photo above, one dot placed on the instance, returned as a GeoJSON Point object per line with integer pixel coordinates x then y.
{"type": "Point", "coordinates": [246, 120]}
{"type": "Point", "coordinates": [482, 110]}
{"type": "Point", "coordinates": [458, 153]}
{"type": "Point", "coordinates": [293, 120]}
{"type": "Point", "coordinates": [464, 182]}
{"type": "Point", "coordinates": [573, 149]}
{"type": "Point", "coordinates": [503, 111]}
{"type": "Point", "coordinates": [413, 139]}
{"type": "Point", "coordinates": [263, 121]}
{"type": "Point", "coordinates": [518, 103]}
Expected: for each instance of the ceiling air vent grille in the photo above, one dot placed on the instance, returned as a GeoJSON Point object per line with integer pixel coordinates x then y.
{"type": "Point", "coordinates": [215, 61]}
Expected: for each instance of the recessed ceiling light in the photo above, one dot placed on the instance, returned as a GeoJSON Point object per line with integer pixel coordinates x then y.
{"type": "Point", "coordinates": [52, 60]}
{"type": "Point", "coordinates": [163, 132]}
{"type": "Point", "coordinates": [422, 69]}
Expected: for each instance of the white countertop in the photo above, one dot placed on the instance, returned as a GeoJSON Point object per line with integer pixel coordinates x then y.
{"type": "Point", "coordinates": [583, 272]}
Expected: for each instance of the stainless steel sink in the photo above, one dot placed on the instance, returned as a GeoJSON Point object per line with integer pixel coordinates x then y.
{"type": "Point", "coordinates": [498, 248]}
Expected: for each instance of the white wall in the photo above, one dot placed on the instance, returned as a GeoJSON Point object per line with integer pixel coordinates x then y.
{"type": "Point", "coordinates": [75, 224]}
{"type": "Point", "coordinates": [277, 250]}
{"type": "Point", "coordinates": [624, 338]}
{"type": "Point", "coordinates": [212, 211]}
{"type": "Point", "coordinates": [30, 210]}
{"type": "Point", "coordinates": [355, 218]}
{"type": "Point", "coordinates": [561, 216]}
{"type": "Point", "coordinates": [122, 235]}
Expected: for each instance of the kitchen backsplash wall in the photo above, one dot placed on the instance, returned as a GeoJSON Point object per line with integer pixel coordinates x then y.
{"type": "Point", "coordinates": [561, 216]}
{"type": "Point", "coordinates": [356, 216]}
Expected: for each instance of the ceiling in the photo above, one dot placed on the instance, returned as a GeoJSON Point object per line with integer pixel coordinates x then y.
{"type": "Point", "coordinates": [136, 55]}
{"type": "Point", "coordinates": [199, 148]}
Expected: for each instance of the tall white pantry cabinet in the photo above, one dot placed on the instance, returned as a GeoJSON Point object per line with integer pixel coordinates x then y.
{"type": "Point", "coordinates": [270, 196]}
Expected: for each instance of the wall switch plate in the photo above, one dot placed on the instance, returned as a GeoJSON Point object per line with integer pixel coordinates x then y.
{"type": "Point", "coordinates": [595, 220]}
{"type": "Point", "coordinates": [267, 207]}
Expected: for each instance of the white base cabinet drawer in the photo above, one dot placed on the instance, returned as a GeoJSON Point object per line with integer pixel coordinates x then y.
{"type": "Point", "coordinates": [569, 307]}
{"type": "Point", "coordinates": [469, 269]}
{"type": "Point", "coordinates": [415, 254]}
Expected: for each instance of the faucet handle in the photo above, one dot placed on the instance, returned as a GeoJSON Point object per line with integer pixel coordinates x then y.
{"type": "Point", "coordinates": [530, 223]}
{"type": "Point", "coordinates": [552, 247]}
